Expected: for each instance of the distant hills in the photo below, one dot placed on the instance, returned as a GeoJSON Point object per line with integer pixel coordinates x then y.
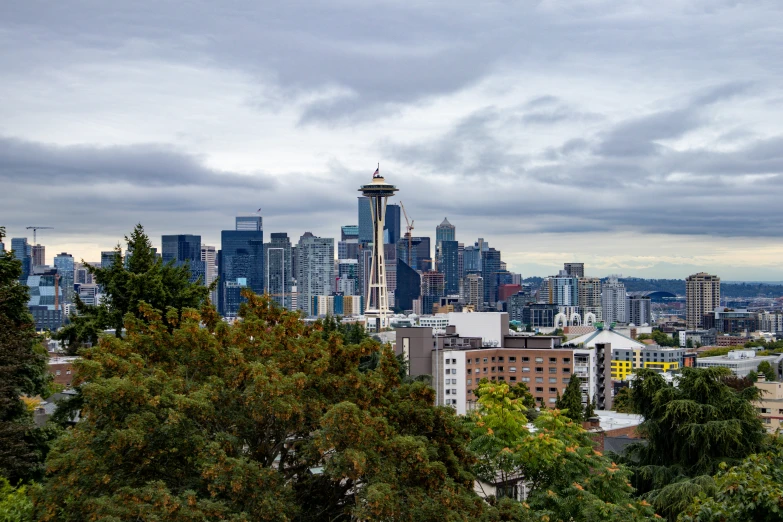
{"type": "Point", "coordinates": [677, 287]}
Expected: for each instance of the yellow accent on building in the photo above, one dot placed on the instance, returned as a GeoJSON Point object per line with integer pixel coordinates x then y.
{"type": "Point", "coordinates": [622, 369]}
{"type": "Point", "coordinates": [662, 366]}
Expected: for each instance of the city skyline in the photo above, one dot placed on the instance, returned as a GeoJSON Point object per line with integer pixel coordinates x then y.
{"type": "Point", "coordinates": [572, 133]}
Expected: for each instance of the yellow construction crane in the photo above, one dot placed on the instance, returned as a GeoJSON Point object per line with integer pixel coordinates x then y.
{"type": "Point", "coordinates": [408, 234]}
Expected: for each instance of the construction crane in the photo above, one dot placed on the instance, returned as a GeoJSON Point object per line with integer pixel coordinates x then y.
{"type": "Point", "coordinates": [35, 235]}
{"type": "Point", "coordinates": [408, 234]}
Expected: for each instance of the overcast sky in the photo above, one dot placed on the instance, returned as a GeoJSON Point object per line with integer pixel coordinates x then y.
{"type": "Point", "coordinates": [640, 137]}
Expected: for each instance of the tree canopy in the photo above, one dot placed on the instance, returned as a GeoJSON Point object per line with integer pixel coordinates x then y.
{"type": "Point", "coordinates": [189, 418]}
{"type": "Point", "coordinates": [571, 401]}
{"type": "Point", "coordinates": [23, 372]}
{"type": "Point", "coordinates": [144, 278]}
{"type": "Point", "coordinates": [690, 430]}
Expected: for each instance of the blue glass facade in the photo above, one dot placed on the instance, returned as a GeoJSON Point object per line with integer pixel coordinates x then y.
{"type": "Point", "coordinates": [408, 286]}
{"type": "Point", "coordinates": [365, 220]}
{"type": "Point", "coordinates": [65, 267]}
{"type": "Point", "coordinates": [449, 265]}
{"type": "Point", "coordinates": [240, 261]}
{"type": "Point", "coordinates": [23, 251]}
{"type": "Point", "coordinates": [184, 249]}
{"type": "Point", "coordinates": [391, 226]}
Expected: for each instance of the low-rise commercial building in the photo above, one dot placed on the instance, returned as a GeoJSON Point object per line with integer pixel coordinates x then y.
{"type": "Point", "coordinates": [741, 362]}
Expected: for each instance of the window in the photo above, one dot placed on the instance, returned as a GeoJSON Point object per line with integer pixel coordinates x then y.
{"type": "Point", "coordinates": [539, 369]}
{"type": "Point", "coordinates": [566, 360]}
{"type": "Point", "coordinates": [553, 379]}
{"type": "Point", "coordinates": [67, 372]}
{"type": "Point", "coordinates": [454, 371]}
{"type": "Point", "coordinates": [539, 359]}
{"type": "Point", "coordinates": [552, 390]}
{"type": "Point", "coordinates": [58, 372]}
{"type": "Point", "coordinates": [493, 359]}
{"type": "Point", "coordinates": [566, 370]}
{"type": "Point", "coordinates": [552, 370]}
{"type": "Point", "coordinates": [501, 378]}
{"type": "Point", "coordinates": [448, 392]}
{"type": "Point", "coordinates": [552, 400]}
{"type": "Point", "coordinates": [454, 391]}
{"type": "Point", "coordinates": [485, 359]}
{"type": "Point", "coordinates": [512, 369]}
{"type": "Point", "coordinates": [525, 379]}
{"type": "Point", "coordinates": [468, 371]}
{"type": "Point", "coordinates": [539, 379]}
{"type": "Point", "coordinates": [553, 360]}
{"type": "Point", "coordinates": [500, 359]}
{"type": "Point", "coordinates": [512, 359]}
{"type": "Point", "coordinates": [566, 380]}
{"type": "Point", "coordinates": [500, 368]}
{"type": "Point", "coordinates": [540, 390]}
{"type": "Point", "coordinates": [526, 368]}
{"type": "Point", "coordinates": [448, 381]}
{"type": "Point", "coordinates": [469, 382]}
{"type": "Point", "coordinates": [525, 359]}
{"type": "Point", "coordinates": [513, 378]}
{"type": "Point", "coordinates": [485, 370]}
{"type": "Point", "coordinates": [493, 369]}
{"type": "Point", "coordinates": [540, 399]}
{"type": "Point", "coordinates": [468, 361]}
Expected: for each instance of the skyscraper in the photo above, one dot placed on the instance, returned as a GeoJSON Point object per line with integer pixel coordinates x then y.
{"type": "Point", "coordinates": [65, 267]}
{"type": "Point", "coordinates": [252, 223]}
{"type": "Point", "coordinates": [209, 258]}
{"type": "Point", "coordinates": [377, 311]}
{"type": "Point", "coordinates": [490, 264]}
{"type": "Point", "coordinates": [39, 255]}
{"type": "Point", "coordinates": [423, 253]}
{"type": "Point", "coordinates": [184, 249]}
{"type": "Point", "coordinates": [316, 269]}
{"type": "Point", "coordinates": [702, 295]}
{"type": "Point", "coordinates": [445, 232]}
{"type": "Point", "coordinates": [449, 265]}
{"type": "Point", "coordinates": [574, 269]}
{"type": "Point", "coordinates": [349, 232]}
{"type": "Point", "coordinates": [432, 289]}
{"type": "Point", "coordinates": [613, 301]}
{"type": "Point", "coordinates": [240, 265]}
{"type": "Point", "coordinates": [365, 220]}
{"type": "Point", "coordinates": [639, 310]}
{"type": "Point", "coordinates": [473, 291]}
{"type": "Point", "coordinates": [408, 286]}
{"type": "Point", "coordinates": [391, 225]}
{"type": "Point", "coordinates": [590, 296]}
{"type": "Point", "coordinates": [563, 290]}
{"type": "Point", "coordinates": [23, 251]}
{"type": "Point", "coordinates": [107, 258]}
{"type": "Point", "coordinates": [279, 268]}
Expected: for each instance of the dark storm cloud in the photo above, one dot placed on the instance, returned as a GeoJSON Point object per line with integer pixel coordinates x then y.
{"type": "Point", "coordinates": [143, 165]}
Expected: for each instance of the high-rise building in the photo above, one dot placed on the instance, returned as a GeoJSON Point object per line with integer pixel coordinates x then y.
{"type": "Point", "coordinates": [66, 268]}
{"type": "Point", "coordinates": [473, 291]}
{"type": "Point", "coordinates": [377, 300]}
{"type": "Point", "coordinates": [574, 269]}
{"type": "Point", "coordinates": [460, 260]}
{"type": "Point", "coordinates": [408, 286]}
{"type": "Point", "coordinates": [391, 225]}
{"type": "Point", "coordinates": [562, 290]}
{"type": "Point", "coordinates": [423, 253]}
{"type": "Point", "coordinates": [365, 220]}
{"type": "Point", "coordinates": [209, 258]}
{"type": "Point", "coordinates": [349, 232]}
{"type": "Point", "coordinates": [432, 289]}
{"type": "Point", "coordinates": [279, 269]}
{"type": "Point", "coordinates": [589, 290]}
{"type": "Point", "coordinates": [445, 232]}
{"type": "Point", "coordinates": [252, 223]}
{"type": "Point", "coordinates": [613, 301]}
{"type": "Point", "coordinates": [107, 258]}
{"type": "Point", "coordinates": [23, 252]}
{"type": "Point", "coordinates": [46, 298]}
{"type": "Point", "coordinates": [316, 269]}
{"type": "Point", "coordinates": [702, 295]}
{"type": "Point", "coordinates": [240, 265]}
{"type": "Point", "coordinates": [639, 310]}
{"type": "Point", "coordinates": [184, 249]}
{"type": "Point", "coordinates": [449, 265]}
{"type": "Point", "coordinates": [39, 255]}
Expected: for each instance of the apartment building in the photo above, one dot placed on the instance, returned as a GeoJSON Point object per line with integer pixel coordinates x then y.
{"type": "Point", "coordinates": [770, 406]}
{"type": "Point", "coordinates": [654, 357]}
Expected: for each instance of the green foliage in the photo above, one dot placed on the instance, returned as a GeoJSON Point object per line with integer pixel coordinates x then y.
{"type": "Point", "coordinates": [767, 371]}
{"type": "Point", "coordinates": [266, 419]}
{"type": "Point", "coordinates": [623, 401]}
{"type": "Point", "coordinates": [571, 401]}
{"type": "Point", "coordinates": [690, 431]}
{"type": "Point", "coordinates": [590, 408]}
{"type": "Point", "coordinates": [15, 504]}
{"type": "Point", "coordinates": [660, 338]}
{"type": "Point", "coordinates": [567, 477]}
{"type": "Point", "coordinates": [146, 279]}
{"type": "Point", "coordinates": [23, 371]}
{"type": "Point", "coordinates": [752, 490]}
{"type": "Point", "coordinates": [716, 351]}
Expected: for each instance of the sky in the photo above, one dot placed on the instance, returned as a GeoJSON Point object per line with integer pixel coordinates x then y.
{"type": "Point", "coordinates": [643, 138]}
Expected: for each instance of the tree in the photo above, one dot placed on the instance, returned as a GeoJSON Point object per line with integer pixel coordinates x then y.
{"type": "Point", "coordinates": [15, 503]}
{"type": "Point", "coordinates": [623, 401]}
{"type": "Point", "coordinates": [571, 401]}
{"type": "Point", "coordinates": [689, 430]}
{"type": "Point", "coordinates": [190, 418]}
{"type": "Point", "coordinates": [567, 478]}
{"type": "Point", "coordinates": [689, 343]}
{"type": "Point", "coordinates": [752, 490]}
{"type": "Point", "coordinates": [767, 371]}
{"type": "Point", "coordinates": [145, 279]}
{"type": "Point", "coordinates": [23, 371]}
{"type": "Point", "coordinates": [590, 408]}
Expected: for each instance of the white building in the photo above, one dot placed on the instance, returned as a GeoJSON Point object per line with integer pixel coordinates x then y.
{"type": "Point", "coordinates": [490, 326]}
{"type": "Point", "coordinates": [740, 362]}
{"type": "Point", "coordinates": [209, 257]}
{"type": "Point", "coordinates": [613, 301]}
{"type": "Point", "coordinates": [448, 369]}
{"type": "Point", "coordinates": [437, 322]}
{"type": "Point", "coordinates": [316, 269]}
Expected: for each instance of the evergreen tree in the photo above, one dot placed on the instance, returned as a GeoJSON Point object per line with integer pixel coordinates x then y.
{"type": "Point", "coordinates": [590, 408]}
{"type": "Point", "coordinates": [689, 431]}
{"type": "Point", "coordinates": [145, 279]}
{"type": "Point", "coordinates": [23, 371]}
{"type": "Point", "coordinates": [623, 401]}
{"type": "Point", "coordinates": [195, 419]}
{"type": "Point", "coordinates": [571, 401]}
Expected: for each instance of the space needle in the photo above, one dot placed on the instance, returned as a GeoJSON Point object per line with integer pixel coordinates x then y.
{"type": "Point", "coordinates": [377, 311]}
